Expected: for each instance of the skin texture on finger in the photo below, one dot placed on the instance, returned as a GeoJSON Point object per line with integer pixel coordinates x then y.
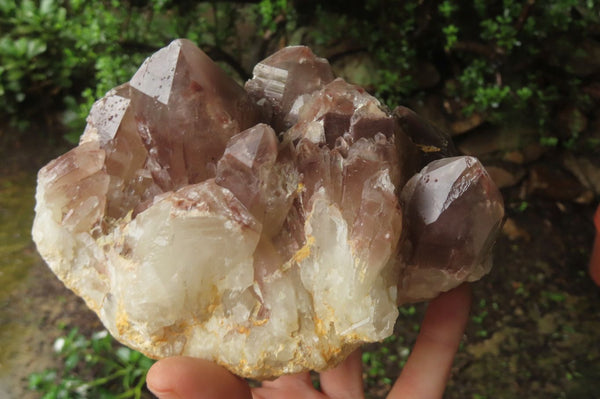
{"type": "Point", "coordinates": [191, 378]}
{"type": "Point", "coordinates": [345, 381]}
{"type": "Point", "coordinates": [295, 386]}
{"type": "Point", "coordinates": [426, 372]}
{"type": "Point", "coordinates": [342, 382]}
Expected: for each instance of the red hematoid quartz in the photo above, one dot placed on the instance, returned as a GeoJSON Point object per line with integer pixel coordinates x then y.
{"type": "Point", "coordinates": [271, 229]}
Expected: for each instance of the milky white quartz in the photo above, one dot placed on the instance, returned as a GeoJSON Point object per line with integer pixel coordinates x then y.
{"type": "Point", "coordinates": [260, 228]}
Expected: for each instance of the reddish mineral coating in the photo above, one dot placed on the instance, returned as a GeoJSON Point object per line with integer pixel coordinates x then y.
{"type": "Point", "coordinates": [261, 229]}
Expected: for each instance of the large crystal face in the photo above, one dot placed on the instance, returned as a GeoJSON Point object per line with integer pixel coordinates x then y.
{"type": "Point", "coordinates": [453, 214]}
{"type": "Point", "coordinates": [261, 228]}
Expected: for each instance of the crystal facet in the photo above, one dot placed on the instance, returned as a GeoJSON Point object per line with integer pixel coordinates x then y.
{"type": "Point", "coordinates": [262, 228]}
{"type": "Point", "coordinates": [284, 80]}
{"type": "Point", "coordinates": [453, 215]}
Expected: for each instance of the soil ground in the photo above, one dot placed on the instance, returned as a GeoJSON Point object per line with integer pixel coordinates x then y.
{"type": "Point", "coordinates": [533, 330]}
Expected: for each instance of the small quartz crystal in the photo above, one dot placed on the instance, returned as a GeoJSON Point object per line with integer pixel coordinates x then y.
{"type": "Point", "coordinates": [271, 228]}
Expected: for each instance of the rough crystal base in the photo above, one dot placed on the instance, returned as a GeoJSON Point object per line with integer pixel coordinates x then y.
{"type": "Point", "coordinates": [259, 228]}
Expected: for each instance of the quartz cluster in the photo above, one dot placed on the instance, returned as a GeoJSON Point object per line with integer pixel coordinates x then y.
{"type": "Point", "coordinates": [271, 229]}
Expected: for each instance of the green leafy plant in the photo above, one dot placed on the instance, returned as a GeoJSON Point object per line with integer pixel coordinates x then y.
{"type": "Point", "coordinates": [506, 69]}
{"type": "Point", "coordinates": [270, 11]}
{"type": "Point", "coordinates": [385, 33]}
{"type": "Point", "coordinates": [58, 55]}
{"type": "Point", "coordinates": [479, 317]}
{"type": "Point", "coordinates": [94, 367]}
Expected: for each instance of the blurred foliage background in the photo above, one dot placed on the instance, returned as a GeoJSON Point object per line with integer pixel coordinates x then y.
{"type": "Point", "coordinates": [492, 61]}
{"type": "Point", "coordinates": [517, 83]}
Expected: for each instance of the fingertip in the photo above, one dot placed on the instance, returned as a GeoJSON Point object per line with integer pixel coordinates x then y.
{"type": "Point", "coordinates": [187, 378]}
{"type": "Point", "coordinates": [462, 293]}
{"type": "Point", "coordinates": [451, 306]}
{"type": "Point", "coordinates": [167, 377]}
{"type": "Point", "coordinates": [154, 378]}
{"type": "Point", "coordinates": [345, 380]}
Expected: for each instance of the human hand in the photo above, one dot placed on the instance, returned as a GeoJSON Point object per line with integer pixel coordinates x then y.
{"type": "Point", "coordinates": [423, 377]}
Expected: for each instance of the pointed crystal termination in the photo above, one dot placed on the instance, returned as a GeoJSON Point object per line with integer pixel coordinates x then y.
{"type": "Point", "coordinates": [263, 230]}
{"type": "Point", "coordinates": [76, 185]}
{"type": "Point", "coordinates": [186, 109]}
{"type": "Point", "coordinates": [453, 212]}
{"type": "Point", "coordinates": [247, 159]}
{"type": "Point", "coordinates": [282, 81]}
{"type": "Point", "coordinates": [111, 124]}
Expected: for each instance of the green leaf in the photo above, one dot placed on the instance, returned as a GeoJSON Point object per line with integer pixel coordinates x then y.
{"type": "Point", "coordinates": [366, 357]}
{"type": "Point", "coordinates": [524, 93]}
{"type": "Point", "coordinates": [72, 137]}
{"type": "Point", "coordinates": [35, 47]}
{"type": "Point", "coordinates": [549, 141]}
{"type": "Point", "coordinates": [6, 6]}
{"type": "Point", "coordinates": [123, 354]}
{"type": "Point", "coordinates": [35, 380]}
{"type": "Point", "coordinates": [451, 32]}
{"type": "Point", "coordinates": [46, 7]}
{"type": "Point", "coordinates": [71, 361]}
{"type": "Point", "coordinates": [20, 47]}
{"type": "Point", "coordinates": [145, 363]}
{"type": "Point", "coordinates": [134, 356]}
{"type": "Point", "coordinates": [447, 8]}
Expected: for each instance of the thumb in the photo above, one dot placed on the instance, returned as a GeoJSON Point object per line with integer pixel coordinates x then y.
{"type": "Point", "coordinates": [192, 378]}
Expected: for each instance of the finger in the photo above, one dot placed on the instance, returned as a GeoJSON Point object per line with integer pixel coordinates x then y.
{"type": "Point", "coordinates": [426, 372]}
{"type": "Point", "coordinates": [290, 381]}
{"type": "Point", "coordinates": [294, 386]}
{"type": "Point", "coordinates": [191, 378]}
{"type": "Point", "coordinates": [344, 381]}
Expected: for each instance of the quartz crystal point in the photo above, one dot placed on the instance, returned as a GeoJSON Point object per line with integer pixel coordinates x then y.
{"type": "Point", "coordinates": [260, 228]}
{"type": "Point", "coordinates": [453, 212]}
{"type": "Point", "coordinates": [180, 90]}
{"type": "Point", "coordinates": [283, 81]}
